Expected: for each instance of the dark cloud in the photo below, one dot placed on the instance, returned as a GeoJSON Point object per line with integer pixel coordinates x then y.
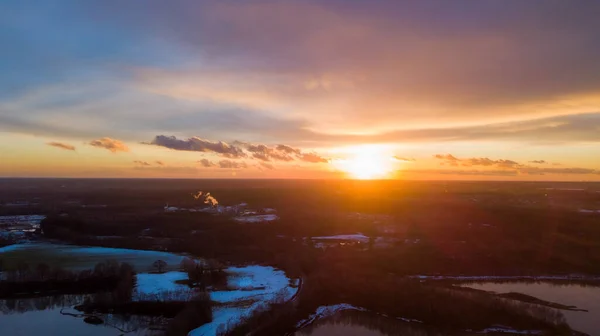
{"type": "Point", "coordinates": [160, 163]}
{"type": "Point", "coordinates": [61, 145]}
{"type": "Point", "coordinates": [265, 153]}
{"type": "Point", "coordinates": [206, 163]}
{"type": "Point", "coordinates": [141, 163]}
{"type": "Point", "coordinates": [196, 144]}
{"type": "Point", "coordinates": [110, 144]}
{"type": "Point", "coordinates": [232, 164]}
{"type": "Point", "coordinates": [238, 149]}
{"type": "Point", "coordinates": [538, 161]}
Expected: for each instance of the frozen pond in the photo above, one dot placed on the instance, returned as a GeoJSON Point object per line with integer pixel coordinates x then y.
{"type": "Point", "coordinates": [583, 297]}
{"type": "Point", "coordinates": [42, 316]}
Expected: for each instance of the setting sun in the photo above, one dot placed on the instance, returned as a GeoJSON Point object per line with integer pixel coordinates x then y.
{"type": "Point", "coordinates": [366, 164]}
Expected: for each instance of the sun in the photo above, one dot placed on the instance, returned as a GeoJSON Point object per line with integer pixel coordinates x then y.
{"type": "Point", "coordinates": [367, 164]}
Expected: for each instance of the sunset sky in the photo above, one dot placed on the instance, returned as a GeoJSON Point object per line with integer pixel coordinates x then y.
{"type": "Point", "coordinates": [502, 90]}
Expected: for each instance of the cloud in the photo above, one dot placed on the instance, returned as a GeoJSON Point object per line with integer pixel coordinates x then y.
{"type": "Point", "coordinates": [265, 153]}
{"type": "Point", "coordinates": [232, 164]}
{"type": "Point", "coordinates": [558, 171]}
{"type": "Point", "coordinates": [538, 161]}
{"type": "Point", "coordinates": [286, 79]}
{"type": "Point", "coordinates": [509, 167]}
{"type": "Point", "coordinates": [141, 163]}
{"type": "Point", "coordinates": [312, 157]}
{"type": "Point", "coordinates": [196, 144]}
{"type": "Point", "coordinates": [110, 144]}
{"type": "Point", "coordinates": [448, 159]}
{"type": "Point", "coordinates": [160, 163]}
{"type": "Point", "coordinates": [486, 162]}
{"type": "Point", "coordinates": [206, 163]}
{"type": "Point", "coordinates": [238, 149]}
{"type": "Point", "coordinates": [61, 145]}
{"type": "Point", "coordinates": [464, 172]}
{"type": "Point", "coordinates": [287, 149]}
{"type": "Point", "coordinates": [403, 159]}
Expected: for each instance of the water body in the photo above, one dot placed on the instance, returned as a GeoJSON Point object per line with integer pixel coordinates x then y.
{"type": "Point", "coordinates": [357, 323]}
{"type": "Point", "coordinates": [583, 297]}
{"type": "Point", "coordinates": [42, 316]}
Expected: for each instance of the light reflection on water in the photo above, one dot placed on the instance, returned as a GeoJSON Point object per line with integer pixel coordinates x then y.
{"type": "Point", "coordinates": [42, 316]}
{"type": "Point", "coordinates": [581, 296]}
{"type": "Point", "coordinates": [356, 323]}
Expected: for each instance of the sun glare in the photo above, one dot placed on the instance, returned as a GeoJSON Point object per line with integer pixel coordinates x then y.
{"type": "Point", "coordinates": [366, 164]}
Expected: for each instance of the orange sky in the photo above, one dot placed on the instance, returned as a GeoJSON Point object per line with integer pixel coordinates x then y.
{"type": "Point", "coordinates": [302, 89]}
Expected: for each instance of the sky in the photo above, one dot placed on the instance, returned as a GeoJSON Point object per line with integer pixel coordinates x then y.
{"type": "Point", "coordinates": [469, 90]}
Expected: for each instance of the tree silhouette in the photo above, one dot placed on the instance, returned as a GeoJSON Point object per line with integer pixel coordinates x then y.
{"type": "Point", "coordinates": [160, 265]}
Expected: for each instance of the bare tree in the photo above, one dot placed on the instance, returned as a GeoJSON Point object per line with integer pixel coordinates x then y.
{"type": "Point", "coordinates": [42, 270]}
{"type": "Point", "coordinates": [160, 265]}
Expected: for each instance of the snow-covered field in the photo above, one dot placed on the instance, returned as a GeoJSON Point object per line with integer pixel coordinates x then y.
{"type": "Point", "coordinates": [252, 288]}
{"type": "Point", "coordinates": [80, 257]}
{"type": "Point", "coordinates": [162, 286]}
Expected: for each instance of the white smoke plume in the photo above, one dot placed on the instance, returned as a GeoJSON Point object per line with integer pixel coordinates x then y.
{"type": "Point", "coordinates": [206, 197]}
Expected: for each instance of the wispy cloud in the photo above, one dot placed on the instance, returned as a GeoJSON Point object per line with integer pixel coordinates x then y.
{"type": "Point", "coordinates": [110, 144]}
{"type": "Point", "coordinates": [469, 162]}
{"type": "Point", "coordinates": [160, 163]}
{"type": "Point", "coordinates": [229, 164]}
{"type": "Point", "coordinates": [403, 159]}
{"type": "Point", "coordinates": [141, 163]}
{"type": "Point", "coordinates": [206, 163]}
{"type": "Point", "coordinates": [61, 145]}
{"type": "Point", "coordinates": [507, 167]}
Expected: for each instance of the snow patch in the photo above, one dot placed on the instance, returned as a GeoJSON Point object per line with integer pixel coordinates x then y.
{"type": "Point", "coordinates": [261, 284]}
{"type": "Point", "coordinates": [256, 218]}
{"type": "Point", "coordinates": [156, 286]}
{"type": "Point", "coordinates": [359, 237]}
{"type": "Point", "coordinates": [508, 330]}
{"type": "Point", "coordinates": [589, 211]}
{"type": "Point", "coordinates": [325, 311]}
